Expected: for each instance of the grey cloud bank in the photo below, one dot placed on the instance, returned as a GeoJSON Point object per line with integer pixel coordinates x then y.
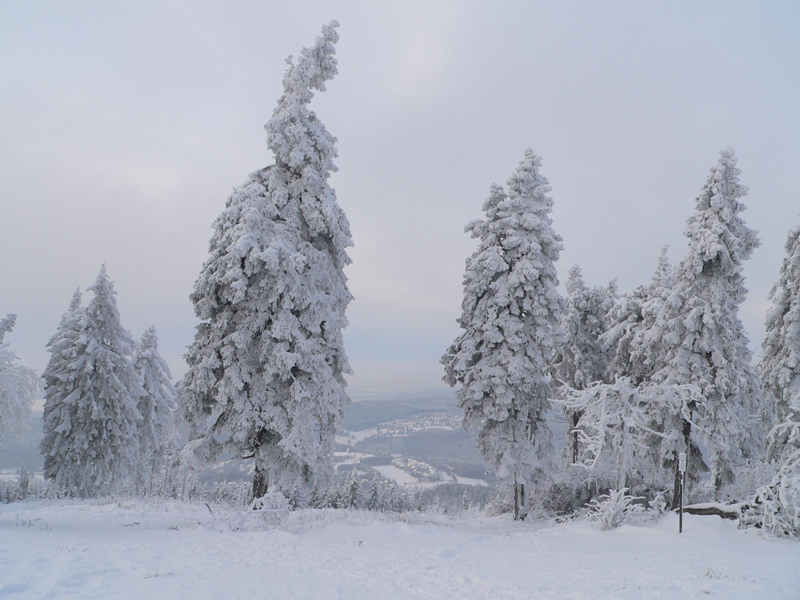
{"type": "Point", "coordinates": [124, 129]}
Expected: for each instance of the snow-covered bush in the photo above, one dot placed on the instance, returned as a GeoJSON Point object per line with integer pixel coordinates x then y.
{"type": "Point", "coordinates": [568, 492]}
{"type": "Point", "coordinates": [500, 504]}
{"type": "Point", "coordinates": [776, 507]}
{"type": "Point", "coordinates": [273, 508]}
{"type": "Point", "coordinates": [750, 476]}
{"type": "Point", "coordinates": [615, 508]}
{"type": "Point", "coordinates": [781, 500]}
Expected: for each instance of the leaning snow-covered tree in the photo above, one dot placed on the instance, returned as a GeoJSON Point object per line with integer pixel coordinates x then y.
{"type": "Point", "coordinates": [156, 408]}
{"type": "Point", "coordinates": [90, 443]}
{"type": "Point", "coordinates": [18, 384]}
{"type": "Point", "coordinates": [698, 338]}
{"type": "Point", "coordinates": [580, 359]}
{"type": "Point", "coordinates": [265, 376]}
{"type": "Point", "coordinates": [510, 321]}
{"type": "Point", "coordinates": [779, 362]}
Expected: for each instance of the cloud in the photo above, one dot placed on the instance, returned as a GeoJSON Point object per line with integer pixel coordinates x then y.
{"type": "Point", "coordinates": [125, 127]}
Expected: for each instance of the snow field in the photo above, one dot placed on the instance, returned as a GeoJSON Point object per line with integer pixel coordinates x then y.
{"type": "Point", "coordinates": [173, 550]}
{"type": "Point", "coordinates": [395, 473]}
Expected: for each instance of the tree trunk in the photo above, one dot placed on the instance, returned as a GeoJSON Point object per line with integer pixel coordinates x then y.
{"type": "Point", "coordinates": [260, 482]}
{"type": "Point", "coordinates": [519, 501]}
{"type": "Point", "coordinates": [575, 418]}
{"type": "Point", "coordinates": [723, 475]}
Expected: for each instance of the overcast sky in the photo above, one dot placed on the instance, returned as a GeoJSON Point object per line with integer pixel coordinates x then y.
{"type": "Point", "coordinates": [124, 127]}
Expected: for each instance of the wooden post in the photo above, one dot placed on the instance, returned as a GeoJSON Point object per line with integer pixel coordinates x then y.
{"type": "Point", "coordinates": [682, 469]}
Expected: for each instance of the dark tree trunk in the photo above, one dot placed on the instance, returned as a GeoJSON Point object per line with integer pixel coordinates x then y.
{"type": "Point", "coordinates": [260, 482]}
{"type": "Point", "coordinates": [516, 501]}
{"type": "Point", "coordinates": [723, 475]}
{"type": "Point", "coordinates": [519, 501]}
{"type": "Point", "coordinates": [264, 437]}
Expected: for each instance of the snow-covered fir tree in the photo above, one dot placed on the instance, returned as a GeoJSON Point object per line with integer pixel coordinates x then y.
{"type": "Point", "coordinates": [353, 493]}
{"type": "Point", "coordinates": [156, 408]}
{"type": "Point", "coordinates": [90, 443]}
{"type": "Point", "coordinates": [373, 499]}
{"type": "Point", "coordinates": [266, 368]}
{"type": "Point", "coordinates": [698, 338]}
{"type": "Point", "coordinates": [779, 362]}
{"type": "Point", "coordinates": [628, 322]}
{"type": "Point", "coordinates": [62, 380]}
{"type": "Point", "coordinates": [511, 324]}
{"type": "Point", "coordinates": [580, 359]}
{"type": "Point", "coordinates": [298, 498]}
{"type": "Point", "coordinates": [18, 384]}
{"type": "Point", "coordinates": [63, 348]}
{"type": "Point", "coordinates": [7, 325]}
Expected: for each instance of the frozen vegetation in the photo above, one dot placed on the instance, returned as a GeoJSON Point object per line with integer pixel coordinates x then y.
{"type": "Point", "coordinates": [255, 474]}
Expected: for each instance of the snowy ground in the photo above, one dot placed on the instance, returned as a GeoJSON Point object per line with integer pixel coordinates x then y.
{"type": "Point", "coordinates": [396, 473]}
{"type": "Point", "coordinates": [171, 550]}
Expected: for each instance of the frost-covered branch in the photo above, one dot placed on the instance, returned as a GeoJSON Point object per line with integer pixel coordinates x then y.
{"type": "Point", "coordinates": [627, 431]}
{"type": "Point", "coordinates": [18, 385]}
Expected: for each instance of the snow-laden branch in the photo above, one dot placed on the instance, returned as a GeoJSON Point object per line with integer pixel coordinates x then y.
{"type": "Point", "coordinates": [624, 429]}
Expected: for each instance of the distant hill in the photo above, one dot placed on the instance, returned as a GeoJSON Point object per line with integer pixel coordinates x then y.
{"type": "Point", "coordinates": [454, 448]}
{"type": "Point", "coordinates": [434, 446]}
{"type": "Point", "coordinates": [371, 413]}
{"type": "Point", "coordinates": [16, 452]}
{"type": "Point", "coordinates": [427, 445]}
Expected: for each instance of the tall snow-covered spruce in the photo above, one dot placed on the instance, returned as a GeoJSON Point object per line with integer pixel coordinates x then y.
{"type": "Point", "coordinates": [91, 440]}
{"type": "Point", "coordinates": [697, 337]}
{"type": "Point", "coordinates": [629, 321]}
{"type": "Point", "coordinates": [779, 362]}
{"type": "Point", "coordinates": [266, 368]}
{"type": "Point", "coordinates": [510, 317]}
{"type": "Point", "coordinates": [156, 408]}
